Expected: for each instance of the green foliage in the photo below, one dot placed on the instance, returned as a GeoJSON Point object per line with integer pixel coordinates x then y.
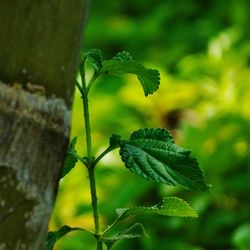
{"type": "Point", "coordinates": [171, 206]}
{"type": "Point", "coordinates": [54, 236]}
{"type": "Point", "coordinates": [124, 63]}
{"type": "Point", "coordinates": [71, 158]}
{"type": "Point", "coordinates": [95, 56]}
{"type": "Point", "coordinates": [203, 58]}
{"type": "Point", "coordinates": [152, 154]}
{"type": "Point", "coordinates": [115, 141]}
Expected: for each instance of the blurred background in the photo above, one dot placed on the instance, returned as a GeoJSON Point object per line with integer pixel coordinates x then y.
{"type": "Point", "coordinates": [202, 50]}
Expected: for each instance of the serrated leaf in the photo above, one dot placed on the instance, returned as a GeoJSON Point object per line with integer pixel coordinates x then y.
{"type": "Point", "coordinates": [124, 63]}
{"type": "Point", "coordinates": [71, 158]}
{"type": "Point", "coordinates": [135, 231]}
{"type": "Point", "coordinates": [171, 206]}
{"type": "Point", "coordinates": [152, 154]}
{"type": "Point", "coordinates": [54, 236]}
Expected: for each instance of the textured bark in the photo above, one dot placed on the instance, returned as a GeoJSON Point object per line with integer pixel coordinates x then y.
{"type": "Point", "coordinates": [34, 132]}
{"type": "Point", "coordinates": [40, 42]}
{"type": "Point", "coordinates": [39, 50]}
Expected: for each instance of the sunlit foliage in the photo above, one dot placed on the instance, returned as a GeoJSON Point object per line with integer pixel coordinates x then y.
{"type": "Point", "coordinates": [203, 51]}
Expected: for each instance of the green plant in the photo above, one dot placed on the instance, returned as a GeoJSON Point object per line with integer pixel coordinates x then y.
{"type": "Point", "coordinates": [150, 153]}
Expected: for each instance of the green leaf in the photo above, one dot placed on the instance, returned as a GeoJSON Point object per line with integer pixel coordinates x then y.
{"type": "Point", "coordinates": [71, 158]}
{"type": "Point", "coordinates": [135, 231]}
{"type": "Point", "coordinates": [124, 63]}
{"type": "Point", "coordinates": [171, 206]}
{"type": "Point", "coordinates": [73, 142]}
{"type": "Point", "coordinates": [115, 140]}
{"type": "Point", "coordinates": [95, 57]}
{"type": "Point", "coordinates": [54, 236]}
{"type": "Point", "coordinates": [152, 154]}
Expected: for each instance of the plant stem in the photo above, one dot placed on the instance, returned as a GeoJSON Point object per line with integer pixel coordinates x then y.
{"type": "Point", "coordinates": [91, 169]}
{"type": "Point", "coordinates": [111, 226]}
{"type": "Point", "coordinates": [84, 94]}
{"type": "Point", "coordinates": [92, 80]}
{"type": "Point", "coordinates": [87, 124]}
{"type": "Point", "coordinates": [99, 245]}
{"type": "Point", "coordinates": [84, 89]}
{"type": "Point", "coordinates": [109, 247]}
{"type": "Point", "coordinates": [106, 151]}
{"type": "Point", "coordinates": [94, 199]}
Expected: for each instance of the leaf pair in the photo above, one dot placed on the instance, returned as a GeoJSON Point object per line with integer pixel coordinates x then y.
{"type": "Point", "coordinates": [152, 154]}
{"type": "Point", "coordinates": [170, 206]}
{"type": "Point", "coordinates": [134, 231]}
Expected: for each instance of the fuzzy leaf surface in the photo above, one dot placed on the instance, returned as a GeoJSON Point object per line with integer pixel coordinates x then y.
{"type": "Point", "coordinates": [152, 154]}
{"type": "Point", "coordinates": [71, 158]}
{"type": "Point", "coordinates": [171, 206]}
{"type": "Point", "coordinates": [124, 63]}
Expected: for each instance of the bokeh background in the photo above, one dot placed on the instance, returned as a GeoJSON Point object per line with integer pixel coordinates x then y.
{"type": "Point", "coordinates": [202, 50]}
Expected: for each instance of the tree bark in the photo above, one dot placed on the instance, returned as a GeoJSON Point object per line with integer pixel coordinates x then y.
{"type": "Point", "coordinates": [39, 50]}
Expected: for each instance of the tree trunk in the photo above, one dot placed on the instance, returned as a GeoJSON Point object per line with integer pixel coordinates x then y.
{"type": "Point", "coordinates": [39, 49]}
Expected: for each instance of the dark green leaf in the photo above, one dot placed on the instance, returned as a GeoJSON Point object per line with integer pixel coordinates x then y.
{"type": "Point", "coordinates": [71, 158]}
{"type": "Point", "coordinates": [171, 206]}
{"type": "Point", "coordinates": [124, 63]}
{"type": "Point", "coordinates": [95, 57]}
{"type": "Point", "coordinates": [54, 236]}
{"type": "Point", "coordinates": [152, 154]}
{"type": "Point", "coordinates": [115, 140]}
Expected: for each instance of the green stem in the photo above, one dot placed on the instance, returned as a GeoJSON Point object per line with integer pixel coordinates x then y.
{"type": "Point", "coordinates": [92, 80]}
{"type": "Point", "coordinates": [99, 245]}
{"type": "Point", "coordinates": [94, 199]}
{"type": "Point", "coordinates": [87, 123]}
{"type": "Point", "coordinates": [91, 171]}
{"type": "Point", "coordinates": [91, 168]}
{"type": "Point", "coordinates": [84, 94]}
{"type": "Point", "coordinates": [106, 151]}
{"type": "Point", "coordinates": [79, 87]}
{"type": "Point", "coordinates": [111, 226]}
{"type": "Point", "coordinates": [109, 247]}
{"type": "Point", "coordinates": [82, 160]}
